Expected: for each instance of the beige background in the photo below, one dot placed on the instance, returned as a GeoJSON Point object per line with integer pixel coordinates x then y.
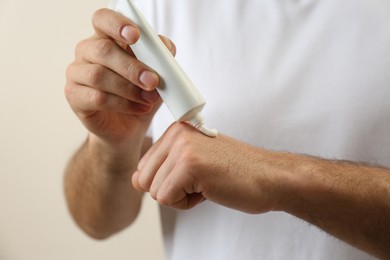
{"type": "Point", "coordinates": [38, 133]}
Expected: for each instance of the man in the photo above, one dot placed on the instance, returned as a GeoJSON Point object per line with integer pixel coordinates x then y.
{"type": "Point", "coordinates": [306, 77]}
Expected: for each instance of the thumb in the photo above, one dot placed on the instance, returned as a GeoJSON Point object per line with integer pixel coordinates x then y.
{"type": "Point", "coordinates": [169, 44]}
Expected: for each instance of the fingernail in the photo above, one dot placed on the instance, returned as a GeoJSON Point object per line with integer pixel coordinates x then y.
{"type": "Point", "coordinates": [150, 96]}
{"type": "Point", "coordinates": [129, 34]}
{"type": "Point", "coordinates": [149, 79]}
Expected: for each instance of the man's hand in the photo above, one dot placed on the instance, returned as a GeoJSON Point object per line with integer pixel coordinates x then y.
{"type": "Point", "coordinates": [111, 92]}
{"type": "Point", "coordinates": [185, 167]}
{"type": "Point", "coordinates": [346, 199]}
{"type": "Point", "coordinates": [114, 96]}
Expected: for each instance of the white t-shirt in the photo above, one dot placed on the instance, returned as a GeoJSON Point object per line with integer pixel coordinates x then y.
{"type": "Point", "coordinates": [305, 76]}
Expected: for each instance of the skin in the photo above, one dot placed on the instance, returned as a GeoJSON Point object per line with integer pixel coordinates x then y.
{"type": "Point", "coordinates": [105, 179]}
{"type": "Point", "coordinates": [105, 91]}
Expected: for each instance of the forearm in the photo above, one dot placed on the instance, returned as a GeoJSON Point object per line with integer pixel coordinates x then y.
{"type": "Point", "coordinates": [347, 200]}
{"type": "Point", "coordinates": [98, 187]}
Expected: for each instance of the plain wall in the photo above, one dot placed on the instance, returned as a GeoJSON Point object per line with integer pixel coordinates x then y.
{"type": "Point", "coordinates": [38, 134]}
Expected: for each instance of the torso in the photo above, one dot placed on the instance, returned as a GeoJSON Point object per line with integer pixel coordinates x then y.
{"type": "Point", "coordinates": [301, 76]}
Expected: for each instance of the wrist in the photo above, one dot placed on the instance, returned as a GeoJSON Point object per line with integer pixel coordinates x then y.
{"type": "Point", "coordinates": [289, 175]}
{"type": "Point", "coordinates": [115, 159]}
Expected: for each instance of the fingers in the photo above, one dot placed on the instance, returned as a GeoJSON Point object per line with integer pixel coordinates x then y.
{"type": "Point", "coordinates": [108, 81]}
{"type": "Point", "coordinates": [106, 72]}
{"type": "Point", "coordinates": [156, 160]}
{"type": "Point", "coordinates": [177, 191]}
{"type": "Point", "coordinates": [110, 24]}
{"type": "Point", "coordinates": [166, 172]}
{"type": "Point", "coordinates": [114, 30]}
{"type": "Point", "coordinates": [84, 99]}
{"type": "Point", "coordinates": [107, 48]}
{"type": "Point", "coordinates": [169, 186]}
{"type": "Point", "coordinates": [150, 164]}
{"type": "Point", "coordinates": [108, 54]}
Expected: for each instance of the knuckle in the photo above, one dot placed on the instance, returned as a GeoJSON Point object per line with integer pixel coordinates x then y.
{"type": "Point", "coordinates": [103, 47]}
{"type": "Point", "coordinates": [70, 95]}
{"type": "Point", "coordinates": [163, 200]}
{"type": "Point", "coordinates": [153, 193]}
{"type": "Point", "coordinates": [188, 159]}
{"type": "Point", "coordinates": [69, 71]}
{"type": "Point", "coordinates": [68, 90]}
{"type": "Point", "coordinates": [144, 183]}
{"type": "Point", "coordinates": [177, 130]}
{"type": "Point", "coordinates": [97, 16]}
{"type": "Point", "coordinates": [185, 139]}
{"type": "Point", "coordinates": [98, 98]}
{"type": "Point", "coordinates": [133, 70]}
{"type": "Point", "coordinates": [96, 74]}
{"type": "Point", "coordinates": [79, 49]}
{"type": "Point", "coordinates": [114, 28]}
{"type": "Point", "coordinates": [187, 155]}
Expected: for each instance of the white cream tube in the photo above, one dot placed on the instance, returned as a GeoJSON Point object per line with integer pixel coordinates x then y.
{"type": "Point", "coordinates": [176, 89]}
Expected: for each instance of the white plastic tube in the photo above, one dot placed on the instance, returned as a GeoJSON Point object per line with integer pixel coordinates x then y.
{"type": "Point", "coordinates": [176, 89]}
